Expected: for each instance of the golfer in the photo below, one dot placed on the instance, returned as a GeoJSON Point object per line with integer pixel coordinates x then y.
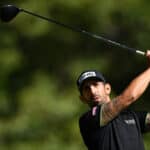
{"type": "Point", "coordinates": [109, 124]}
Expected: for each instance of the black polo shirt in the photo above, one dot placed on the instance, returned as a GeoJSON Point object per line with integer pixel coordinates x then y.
{"type": "Point", "coordinates": [122, 133]}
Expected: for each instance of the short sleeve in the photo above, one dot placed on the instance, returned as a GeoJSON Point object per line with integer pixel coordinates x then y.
{"type": "Point", "coordinates": [141, 117]}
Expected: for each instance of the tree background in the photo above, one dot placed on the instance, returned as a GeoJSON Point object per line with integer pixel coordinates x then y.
{"type": "Point", "coordinates": [40, 62]}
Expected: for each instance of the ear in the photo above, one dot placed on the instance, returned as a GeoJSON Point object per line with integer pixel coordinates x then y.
{"type": "Point", "coordinates": [107, 88]}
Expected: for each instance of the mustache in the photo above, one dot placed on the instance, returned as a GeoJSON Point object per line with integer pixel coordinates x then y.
{"type": "Point", "coordinates": [95, 96]}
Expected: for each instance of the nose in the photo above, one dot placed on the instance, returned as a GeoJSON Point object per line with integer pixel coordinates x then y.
{"type": "Point", "coordinates": [92, 89]}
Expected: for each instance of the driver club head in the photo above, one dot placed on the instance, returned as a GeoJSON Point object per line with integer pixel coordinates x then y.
{"type": "Point", "coordinates": [8, 12]}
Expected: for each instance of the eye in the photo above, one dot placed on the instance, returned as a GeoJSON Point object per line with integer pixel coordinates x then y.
{"type": "Point", "coordinates": [95, 83]}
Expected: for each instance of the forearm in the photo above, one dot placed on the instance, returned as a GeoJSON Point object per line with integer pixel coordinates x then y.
{"type": "Point", "coordinates": [137, 87]}
{"type": "Point", "coordinates": [134, 90]}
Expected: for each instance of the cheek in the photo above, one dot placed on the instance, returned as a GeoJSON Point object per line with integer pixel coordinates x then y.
{"type": "Point", "coordinates": [85, 94]}
{"type": "Point", "coordinates": [101, 91]}
{"type": "Point", "coordinates": [86, 97]}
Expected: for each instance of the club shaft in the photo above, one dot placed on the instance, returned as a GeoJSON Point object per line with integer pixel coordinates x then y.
{"type": "Point", "coordinates": [113, 43]}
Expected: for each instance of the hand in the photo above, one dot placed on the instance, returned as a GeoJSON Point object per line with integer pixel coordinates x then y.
{"type": "Point", "coordinates": [148, 57]}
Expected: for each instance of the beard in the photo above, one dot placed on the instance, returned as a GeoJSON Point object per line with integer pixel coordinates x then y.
{"type": "Point", "coordinates": [97, 100]}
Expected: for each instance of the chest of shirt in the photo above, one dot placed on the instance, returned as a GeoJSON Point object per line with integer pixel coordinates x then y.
{"type": "Point", "coordinates": [126, 127]}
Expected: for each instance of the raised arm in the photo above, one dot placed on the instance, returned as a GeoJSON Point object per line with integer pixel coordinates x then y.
{"type": "Point", "coordinates": [134, 90]}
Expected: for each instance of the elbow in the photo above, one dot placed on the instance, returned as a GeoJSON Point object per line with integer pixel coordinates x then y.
{"type": "Point", "coordinates": [128, 99]}
{"type": "Point", "coordinates": [135, 95]}
{"type": "Point", "coordinates": [132, 94]}
{"type": "Point", "coordinates": [132, 98]}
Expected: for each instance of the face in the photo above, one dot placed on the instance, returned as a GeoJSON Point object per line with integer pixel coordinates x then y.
{"type": "Point", "coordinates": [95, 92]}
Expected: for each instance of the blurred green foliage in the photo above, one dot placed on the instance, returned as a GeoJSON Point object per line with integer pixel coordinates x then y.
{"type": "Point", "coordinates": [40, 61]}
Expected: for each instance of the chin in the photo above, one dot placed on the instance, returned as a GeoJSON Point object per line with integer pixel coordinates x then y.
{"type": "Point", "coordinates": [96, 103]}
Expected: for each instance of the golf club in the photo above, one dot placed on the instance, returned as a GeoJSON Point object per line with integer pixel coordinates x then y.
{"type": "Point", "coordinates": [8, 12]}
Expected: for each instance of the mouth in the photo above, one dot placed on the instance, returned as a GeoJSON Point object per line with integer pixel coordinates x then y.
{"type": "Point", "coordinates": [95, 98]}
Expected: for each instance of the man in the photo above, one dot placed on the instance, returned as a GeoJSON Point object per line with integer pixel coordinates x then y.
{"type": "Point", "coordinates": [109, 125]}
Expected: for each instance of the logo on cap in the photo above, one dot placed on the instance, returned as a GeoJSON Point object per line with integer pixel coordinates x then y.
{"type": "Point", "coordinates": [87, 75]}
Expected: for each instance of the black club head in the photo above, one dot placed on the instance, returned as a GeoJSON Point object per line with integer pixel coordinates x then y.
{"type": "Point", "coordinates": [8, 12]}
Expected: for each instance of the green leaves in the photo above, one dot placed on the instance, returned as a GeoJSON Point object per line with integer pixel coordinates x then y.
{"type": "Point", "coordinates": [40, 61]}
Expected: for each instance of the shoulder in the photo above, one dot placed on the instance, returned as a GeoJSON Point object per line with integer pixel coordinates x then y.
{"type": "Point", "coordinates": [141, 118]}
{"type": "Point", "coordinates": [140, 115]}
{"type": "Point", "coordinates": [136, 114]}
